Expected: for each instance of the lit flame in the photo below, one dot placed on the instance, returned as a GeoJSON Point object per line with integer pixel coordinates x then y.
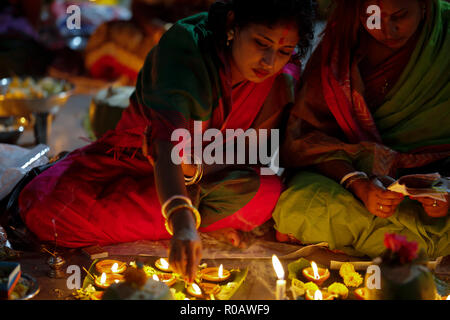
{"type": "Point", "coordinates": [220, 273]}
{"type": "Point", "coordinates": [103, 278]}
{"type": "Point", "coordinates": [116, 281]}
{"type": "Point", "coordinates": [164, 263]}
{"type": "Point", "coordinates": [315, 270]}
{"type": "Point", "coordinates": [196, 288]}
{"type": "Point", "coordinates": [448, 297]}
{"type": "Point", "coordinates": [155, 277]}
{"type": "Point", "coordinates": [278, 267]}
{"type": "Point", "coordinates": [318, 295]}
{"type": "Point", "coordinates": [115, 267]}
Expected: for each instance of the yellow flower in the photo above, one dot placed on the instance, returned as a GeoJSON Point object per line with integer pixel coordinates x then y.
{"type": "Point", "coordinates": [339, 290]}
{"type": "Point", "coordinates": [311, 286]}
{"type": "Point", "coordinates": [353, 279]}
{"type": "Point", "coordinates": [297, 288]}
{"type": "Point", "coordinates": [346, 268]}
{"type": "Point", "coordinates": [297, 283]}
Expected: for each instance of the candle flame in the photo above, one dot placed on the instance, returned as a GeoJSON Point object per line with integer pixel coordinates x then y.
{"type": "Point", "coordinates": [278, 267]}
{"type": "Point", "coordinates": [220, 273]}
{"type": "Point", "coordinates": [196, 288]}
{"type": "Point", "coordinates": [315, 270]}
{"type": "Point", "coordinates": [116, 281]}
{"type": "Point", "coordinates": [155, 277]}
{"type": "Point", "coordinates": [318, 295]}
{"type": "Point", "coordinates": [103, 278]}
{"type": "Point", "coordinates": [115, 267]}
{"type": "Point", "coordinates": [164, 263]}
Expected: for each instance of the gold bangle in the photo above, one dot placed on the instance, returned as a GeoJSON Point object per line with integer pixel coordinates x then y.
{"type": "Point", "coordinates": [350, 182]}
{"type": "Point", "coordinates": [198, 219]}
{"type": "Point", "coordinates": [168, 201]}
{"type": "Point", "coordinates": [196, 177]}
{"type": "Point", "coordinates": [198, 173]}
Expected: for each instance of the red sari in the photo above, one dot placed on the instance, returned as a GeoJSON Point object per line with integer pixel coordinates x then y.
{"type": "Point", "coordinates": [105, 193]}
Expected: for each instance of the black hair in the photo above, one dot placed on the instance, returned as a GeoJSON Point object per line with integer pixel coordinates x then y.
{"type": "Point", "coordinates": [268, 12]}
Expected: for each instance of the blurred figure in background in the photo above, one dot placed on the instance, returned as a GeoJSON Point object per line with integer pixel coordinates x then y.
{"type": "Point", "coordinates": [21, 52]}
{"type": "Point", "coordinates": [117, 49]}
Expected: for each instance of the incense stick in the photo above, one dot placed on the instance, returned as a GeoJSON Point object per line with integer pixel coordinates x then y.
{"type": "Point", "coordinates": [49, 252]}
{"type": "Point", "coordinates": [89, 273]}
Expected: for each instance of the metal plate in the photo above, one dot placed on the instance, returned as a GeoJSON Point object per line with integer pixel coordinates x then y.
{"type": "Point", "coordinates": [24, 107]}
{"type": "Point", "coordinates": [33, 289]}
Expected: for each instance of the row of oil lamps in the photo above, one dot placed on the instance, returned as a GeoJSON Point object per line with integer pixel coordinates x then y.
{"type": "Point", "coordinates": [111, 272]}
{"type": "Point", "coordinates": [313, 273]}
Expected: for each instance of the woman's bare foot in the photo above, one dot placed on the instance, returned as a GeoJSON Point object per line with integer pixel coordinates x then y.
{"type": "Point", "coordinates": [287, 238]}
{"type": "Point", "coordinates": [232, 236]}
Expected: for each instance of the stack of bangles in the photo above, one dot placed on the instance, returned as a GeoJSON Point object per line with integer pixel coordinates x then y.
{"type": "Point", "coordinates": [196, 177]}
{"type": "Point", "coordinates": [187, 205]}
{"type": "Point", "coordinates": [348, 179]}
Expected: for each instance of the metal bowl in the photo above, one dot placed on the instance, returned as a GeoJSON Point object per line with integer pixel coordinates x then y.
{"type": "Point", "coordinates": [10, 129]}
{"type": "Point", "coordinates": [33, 287]}
{"type": "Point", "coordinates": [25, 107]}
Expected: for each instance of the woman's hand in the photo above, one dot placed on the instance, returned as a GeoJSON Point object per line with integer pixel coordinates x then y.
{"type": "Point", "coordinates": [434, 208]}
{"type": "Point", "coordinates": [185, 250]}
{"type": "Point", "coordinates": [376, 198]}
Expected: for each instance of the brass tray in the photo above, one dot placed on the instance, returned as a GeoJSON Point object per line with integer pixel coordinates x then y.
{"type": "Point", "coordinates": [24, 107]}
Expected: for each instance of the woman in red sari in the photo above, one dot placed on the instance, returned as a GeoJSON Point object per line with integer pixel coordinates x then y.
{"type": "Point", "coordinates": [226, 69]}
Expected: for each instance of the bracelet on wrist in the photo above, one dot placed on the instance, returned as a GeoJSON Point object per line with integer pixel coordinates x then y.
{"type": "Point", "coordinates": [166, 204]}
{"type": "Point", "coordinates": [349, 182]}
{"type": "Point", "coordinates": [195, 212]}
{"type": "Point", "coordinates": [197, 175]}
{"type": "Point", "coordinates": [352, 175]}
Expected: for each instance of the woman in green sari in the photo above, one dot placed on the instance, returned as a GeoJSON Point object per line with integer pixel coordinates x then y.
{"type": "Point", "coordinates": [374, 105]}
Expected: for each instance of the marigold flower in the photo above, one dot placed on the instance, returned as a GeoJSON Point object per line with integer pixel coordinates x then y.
{"type": "Point", "coordinates": [346, 268]}
{"type": "Point", "coordinates": [353, 279]}
{"type": "Point", "coordinates": [339, 290]}
{"type": "Point", "coordinates": [311, 286]}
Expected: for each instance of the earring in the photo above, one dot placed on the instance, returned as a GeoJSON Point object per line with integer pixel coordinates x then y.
{"type": "Point", "coordinates": [230, 37]}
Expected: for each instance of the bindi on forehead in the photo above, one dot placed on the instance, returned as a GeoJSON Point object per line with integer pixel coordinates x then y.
{"type": "Point", "coordinates": [286, 29]}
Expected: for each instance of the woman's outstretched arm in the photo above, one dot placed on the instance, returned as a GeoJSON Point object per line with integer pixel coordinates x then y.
{"type": "Point", "coordinates": [185, 248]}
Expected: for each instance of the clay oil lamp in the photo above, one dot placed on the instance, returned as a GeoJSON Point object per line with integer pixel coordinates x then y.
{"type": "Point", "coordinates": [361, 293]}
{"type": "Point", "coordinates": [215, 274]}
{"type": "Point", "coordinates": [107, 279]}
{"type": "Point", "coordinates": [319, 295]}
{"type": "Point", "coordinates": [163, 265]}
{"type": "Point", "coordinates": [111, 266]}
{"type": "Point", "coordinates": [315, 274]}
{"type": "Point", "coordinates": [195, 291]}
{"type": "Point", "coordinates": [209, 288]}
{"type": "Point", "coordinates": [166, 278]}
